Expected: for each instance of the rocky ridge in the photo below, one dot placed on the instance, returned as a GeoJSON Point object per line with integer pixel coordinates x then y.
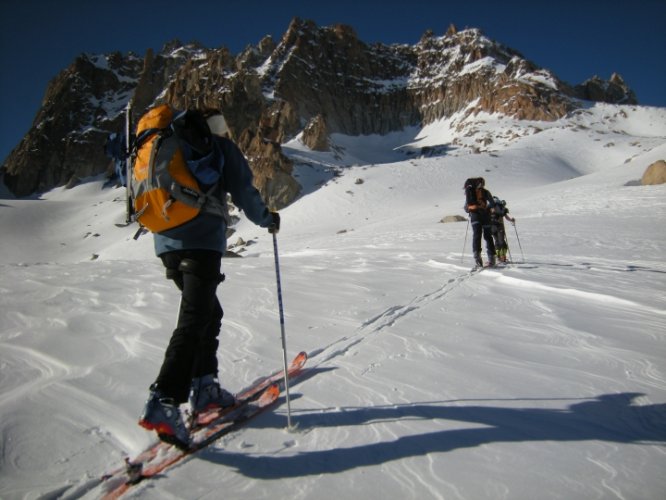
{"type": "Point", "coordinates": [315, 81]}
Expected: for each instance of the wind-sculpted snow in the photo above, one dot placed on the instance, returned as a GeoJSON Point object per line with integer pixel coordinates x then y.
{"type": "Point", "coordinates": [542, 379]}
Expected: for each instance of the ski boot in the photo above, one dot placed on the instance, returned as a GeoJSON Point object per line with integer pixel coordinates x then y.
{"type": "Point", "coordinates": [478, 260]}
{"type": "Point", "coordinates": [207, 395]}
{"type": "Point", "coordinates": [161, 414]}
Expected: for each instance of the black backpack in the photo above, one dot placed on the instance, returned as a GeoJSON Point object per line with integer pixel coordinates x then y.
{"type": "Point", "coordinates": [471, 200]}
{"type": "Point", "coordinates": [500, 207]}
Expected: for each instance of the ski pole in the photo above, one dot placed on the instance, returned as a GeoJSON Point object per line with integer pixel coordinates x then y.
{"type": "Point", "coordinates": [521, 246]}
{"type": "Point", "coordinates": [284, 338]}
{"type": "Point", "coordinates": [128, 162]}
{"type": "Point", "coordinates": [462, 256]}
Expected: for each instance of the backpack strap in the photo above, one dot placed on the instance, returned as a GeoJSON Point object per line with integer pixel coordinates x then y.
{"type": "Point", "coordinates": [145, 135]}
{"type": "Point", "coordinates": [481, 199]}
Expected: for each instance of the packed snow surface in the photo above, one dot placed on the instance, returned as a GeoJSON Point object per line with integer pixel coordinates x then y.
{"type": "Point", "coordinates": [543, 379]}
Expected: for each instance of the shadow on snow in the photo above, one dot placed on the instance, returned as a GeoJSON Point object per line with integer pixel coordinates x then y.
{"type": "Point", "coordinates": [610, 418]}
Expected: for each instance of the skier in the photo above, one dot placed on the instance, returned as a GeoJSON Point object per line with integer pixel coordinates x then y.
{"type": "Point", "coordinates": [478, 203]}
{"type": "Point", "coordinates": [114, 148]}
{"type": "Point", "coordinates": [497, 216]}
{"type": "Point", "coordinates": [191, 254]}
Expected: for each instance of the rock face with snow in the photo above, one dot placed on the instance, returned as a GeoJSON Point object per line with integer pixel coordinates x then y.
{"type": "Point", "coordinates": [81, 106]}
{"type": "Point", "coordinates": [613, 90]}
{"type": "Point", "coordinates": [68, 132]}
{"type": "Point", "coordinates": [315, 81]}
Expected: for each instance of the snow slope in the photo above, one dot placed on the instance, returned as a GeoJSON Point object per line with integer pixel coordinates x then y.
{"type": "Point", "coordinates": [545, 379]}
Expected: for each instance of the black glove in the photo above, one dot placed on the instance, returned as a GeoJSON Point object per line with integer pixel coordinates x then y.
{"type": "Point", "coordinates": [274, 227]}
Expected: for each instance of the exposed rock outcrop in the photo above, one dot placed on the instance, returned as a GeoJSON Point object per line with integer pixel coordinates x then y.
{"type": "Point", "coordinates": [612, 91]}
{"type": "Point", "coordinates": [654, 174]}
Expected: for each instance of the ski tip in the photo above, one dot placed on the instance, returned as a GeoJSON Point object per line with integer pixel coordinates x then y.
{"type": "Point", "coordinates": [300, 358]}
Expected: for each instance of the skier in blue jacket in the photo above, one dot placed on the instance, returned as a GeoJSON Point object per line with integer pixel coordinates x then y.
{"type": "Point", "coordinates": [497, 216]}
{"type": "Point", "coordinates": [191, 254]}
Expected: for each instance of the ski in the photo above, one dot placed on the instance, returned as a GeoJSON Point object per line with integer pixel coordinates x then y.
{"type": "Point", "coordinates": [137, 471]}
{"type": "Point", "coordinates": [497, 265]}
{"type": "Point", "coordinates": [206, 421]}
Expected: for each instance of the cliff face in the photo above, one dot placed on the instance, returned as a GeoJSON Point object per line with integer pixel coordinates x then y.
{"type": "Point", "coordinates": [80, 107]}
{"type": "Point", "coordinates": [315, 80]}
{"type": "Point", "coordinates": [67, 133]}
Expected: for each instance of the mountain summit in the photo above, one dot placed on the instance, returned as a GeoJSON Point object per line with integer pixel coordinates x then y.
{"type": "Point", "coordinates": [315, 81]}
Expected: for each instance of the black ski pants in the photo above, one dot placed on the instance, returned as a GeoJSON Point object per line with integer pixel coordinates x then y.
{"type": "Point", "coordinates": [499, 232]}
{"type": "Point", "coordinates": [482, 225]}
{"type": "Point", "coordinates": [192, 350]}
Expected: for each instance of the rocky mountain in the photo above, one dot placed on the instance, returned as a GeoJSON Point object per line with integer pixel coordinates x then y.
{"type": "Point", "coordinates": [315, 81]}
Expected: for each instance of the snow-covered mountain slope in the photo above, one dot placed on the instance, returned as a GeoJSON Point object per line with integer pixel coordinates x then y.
{"type": "Point", "coordinates": [544, 379]}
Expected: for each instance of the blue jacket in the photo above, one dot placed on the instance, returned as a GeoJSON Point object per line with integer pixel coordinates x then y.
{"type": "Point", "coordinates": [207, 231]}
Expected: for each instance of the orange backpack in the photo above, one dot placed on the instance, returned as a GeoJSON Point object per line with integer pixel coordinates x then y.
{"type": "Point", "coordinates": [164, 190]}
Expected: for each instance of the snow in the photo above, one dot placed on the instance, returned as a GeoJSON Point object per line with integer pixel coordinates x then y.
{"type": "Point", "coordinates": [545, 379]}
{"type": "Point", "coordinates": [482, 64]}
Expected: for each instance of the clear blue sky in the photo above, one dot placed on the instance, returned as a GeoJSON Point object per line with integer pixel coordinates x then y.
{"type": "Point", "coordinates": [575, 39]}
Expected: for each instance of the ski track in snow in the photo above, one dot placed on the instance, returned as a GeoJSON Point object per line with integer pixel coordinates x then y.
{"type": "Point", "coordinates": [567, 338]}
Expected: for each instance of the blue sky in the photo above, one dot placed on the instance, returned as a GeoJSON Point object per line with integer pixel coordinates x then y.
{"type": "Point", "coordinates": [574, 39]}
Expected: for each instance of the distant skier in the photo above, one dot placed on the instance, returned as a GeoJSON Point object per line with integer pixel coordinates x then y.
{"type": "Point", "coordinates": [114, 148]}
{"type": "Point", "coordinates": [478, 203]}
{"type": "Point", "coordinates": [497, 216]}
{"type": "Point", "coordinates": [191, 254]}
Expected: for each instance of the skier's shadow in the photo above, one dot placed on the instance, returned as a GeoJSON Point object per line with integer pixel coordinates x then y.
{"type": "Point", "coordinates": [609, 417]}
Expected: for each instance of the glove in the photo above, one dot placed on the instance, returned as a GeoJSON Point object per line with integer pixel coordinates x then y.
{"type": "Point", "coordinates": [274, 226]}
